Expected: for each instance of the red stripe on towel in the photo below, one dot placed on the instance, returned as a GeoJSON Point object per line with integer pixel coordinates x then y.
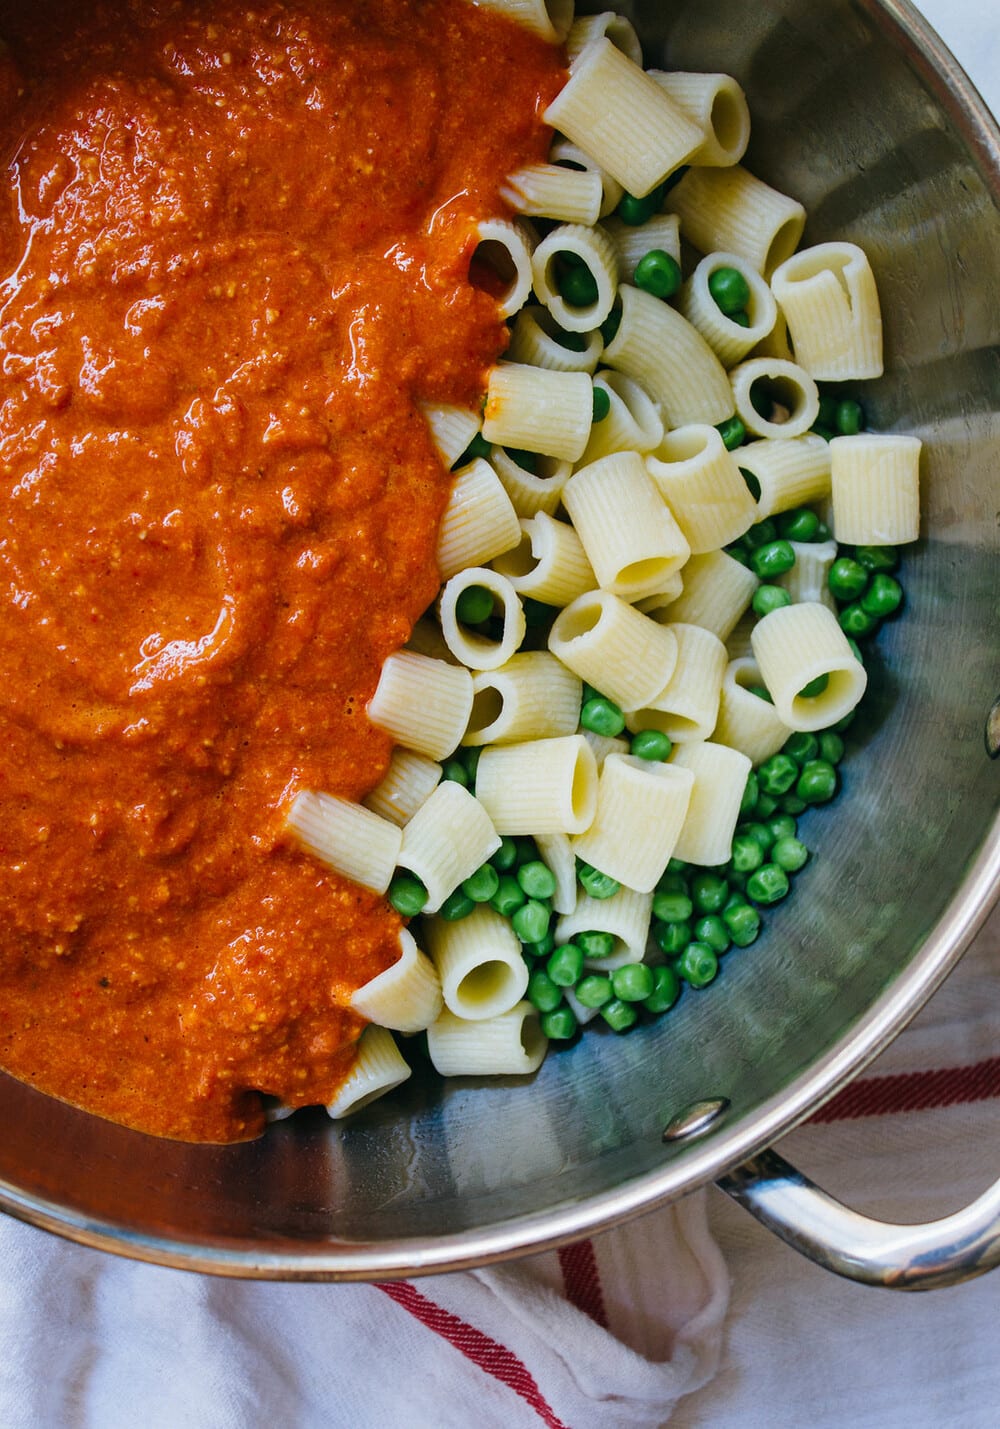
{"type": "Point", "coordinates": [582, 1280]}
{"type": "Point", "coordinates": [492, 1357]}
{"type": "Point", "coordinates": [913, 1091]}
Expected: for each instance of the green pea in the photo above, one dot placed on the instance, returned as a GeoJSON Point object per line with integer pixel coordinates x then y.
{"type": "Point", "coordinates": [658, 273]}
{"type": "Point", "coordinates": [817, 782]}
{"type": "Point", "coordinates": [709, 892]}
{"type": "Point", "coordinates": [474, 605]}
{"type": "Point", "coordinates": [666, 991]}
{"type": "Point", "coordinates": [559, 1025]}
{"type": "Point", "coordinates": [747, 855]}
{"type": "Point", "coordinates": [768, 885]}
{"type": "Point", "coordinates": [531, 921]}
{"type": "Point", "coordinates": [763, 534]}
{"type": "Point", "coordinates": [769, 597]}
{"type": "Point", "coordinates": [883, 597]}
{"type": "Point", "coordinates": [597, 884]}
{"type": "Point", "coordinates": [577, 286]}
{"type": "Point", "coordinates": [470, 756]}
{"type": "Point", "coordinates": [675, 867]}
{"type": "Point", "coordinates": [594, 990]}
{"type": "Point", "coordinates": [651, 744]}
{"type": "Point", "coordinates": [741, 554]}
{"type": "Point", "coordinates": [595, 945]}
{"type": "Point", "coordinates": [846, 579]}
{"type": "Point", "coordinates": [602, 716]}
{"type": "Point", "coordinates": [536, 879]}
{"type": "Point", "coordinates": [831, 747]}
{"type": "Point", "coordinates": [798, 525]}
{"type": "Point", "coordinates": [767, 804]}
{"type": "Point", "coordinates": [482, 885]}
{"type": "Point", "coordinates": [619, 1015]}
{"type": "Point", "coordinates": [672, 907]}
{"type": "Point", "coordinates": [801, 747]}
{"type": "Point", "coordinates": [506, 855]}
{"type": "Point", "coordinates": [761, 692]}
{"type": "Point", "coordinates": [456, 906]}
{"type": "Point", "coordinates": [543, 948]}
{"type": "Point", "coordinates": [635, 211]}
{"type": "Point", "coordinates": [537, 614]}
{"type": "Point", "coordinates": [565, 966]}
{"type": "Point", "coordinates": [760, 833]}
{"type": "Point", "coordinates": [733, 433]}
{"type": "Point", "coordinates": [407, 895]}
{"type": "Point", "coordinates": [673, 882]}
{"type": "Point", "coordinates": [713, 931]}
{"type": "Point", "coordinates": [827, 433]}
{"type": "Point", "coordinates": [823, 532]}
{"type": "Point", "coordinates": [543, 992]}
{"type": "Point", "coordinates": [790, 854]}
{"type": "Point", "coordinates": [611, 324]}
{"type": "Point", "coordinates": [697, 965]}
{"type": "Point", "coordinates": [729, 289]}
{"type": "Point", "coordinates": [751, 483]}
{"type": "Point", "coordinates": [850, 417]}
{"type": "Point", "coordinates": [773, 559]}
{"type": "Point", "coordinates": [527, 849]}
{"type": "Point", "coordinates": [740, 319]}
{"type": "Point", "coordinates": [672, 938]}
{"type": "Point", "coordinates": [793, 805]}
{"type": "Point", "coordinates": [777, 774]}
{"type": "Point", "coordinates": [877, 558]}
{"type": "Point", "coordinates": [743, 923]}
{"type": "Point", "coordinates": [508, 898]}
{"type": "Point", "coordinates": [478, 447]}
{"type": "Point", "coordinates": [750, 794]}
{"type": "Point", "coordinates": [633, 983]}
{"type": "Point", "coordinates": [855, 620]}
{"type": "Point", "coordinates": [455, 772]}
{"type": "Point", "coordinates": [602, 404]}
{"type": "Point", "coordinates": [814, 688]}
{"type": "Point", "coordinates": [827, 411]}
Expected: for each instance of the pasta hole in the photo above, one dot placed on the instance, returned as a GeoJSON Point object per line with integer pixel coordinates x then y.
{"type": "Point", "coordinates": [584, 790]}
{"type": "Point", "coordinates": [777, 399]}
{"type": "Point", "coordinates": [784, 243]}
{"type": "Point", "coordinates": [682, 446]}
{"type": "Point", "coordinates": [485, 984]}
{"type": "Point", "coordinates": [573, 624]}
{"type": "Point", "coordinates": [492, 270]}
{"type": "Point", "coordinates": [728, 120]}
{"type": "Point", "coordinates": [520, 561]}
{"type": "Point", "coordinates": [643, 573]}
{"type": "Point", "coordinates": [532, 1039]}
{"type": "Point", "coordinates": [487, 707]}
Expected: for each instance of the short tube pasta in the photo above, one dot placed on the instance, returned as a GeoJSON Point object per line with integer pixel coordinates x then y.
{"type": "Point", "coordinates": [626, 916]}
{"type": "Point", "coordinates": [549, 564]}
{"type": "Point", "coordinates": [565, 152]}
{"type": "Point", "coordinates": [410, 779]}
{"type": "Point", "coordinates": [407, 996]}
{"type": "Point", "coordinates": [629, 534]}
{"type": "Point", "coordinates": [556, 192]}
{"type": "Point", "coordinates": [687, 708]}
{"type": "Point", "coordinates": [587, 28]}
{"type": "Point", "coordinates": [479, 962]}
{"type": "Point", "coordinates": [423, 703]}
{"type": "Point", "coordinates": [533, 696]}
{"type": "Point", "coordinates": [479, 521]}
{"type": "Point", "coordinates": [533, 341]}
{"type": "Point", "coordinates": [632, 243]}
{"type": "Point", "coordinates": [593, 250]}
{"type": "Point", "coordinates": [807, 580]}
{"type": "Point", "coordinates": [718, 106]}
{"type": "Point", "coordinates": [557, 852]}
{"type": "Point", "coordinates": [614, 648]}
{"type": "Point", "coordinates": [452, 429]}
{"type": "Point", "coordinates": [730, 211]}
{"type": "Point", "coordinates": [797, 645]}
{"type": "Point", "coordinates": [746, 722]}
{"type": "Point", "coordinates": [539, 410]}
{"type": "Point", "coordinates": [447, 839]}
{"type": "Point", "coordinates": [876, 489]}
{"type": "Point", "coordinates": [511, 1045]}
{"type": "Point", "coordinates": [717, 591]}
{"type": "Point", "coordinates": [476, 651]}
{"type": "Point", "coordinates": [532, 491]}
{"type": "Point", "coordinates": [701, 483]}
{"type": "Point", "coordinates": [720, 777]}
{"type": "Point", "coordinates": [728, 339]}
{"type": "Point", "coordinates": [789, 472]}
{"type": "Point", "coordinates": [505, 249]}
{"type": "Point", "coordinates": [641, 808]}
{"type": "Point", "coordinates": [549, 19]}
{"type": "Point", "coordinates": [621, 117]}
{"type": "Point", "coordinates": [671, 359]}
{"type": "Point", "coordinates": [378, 1068]}
{"type": "Point", "coordinates": [346, 837]}
{"type": "Point", "coordinates": [790, 387]}
{"type": "Point", "coordinates": [544, 786]}
{"type": "Point", "coordinates": [830, 303]}
{"type": "Point", "coordinates": [633, 423]}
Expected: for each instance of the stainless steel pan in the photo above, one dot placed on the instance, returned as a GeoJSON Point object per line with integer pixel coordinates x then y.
{"type": "Point", "coordinates": [861, 113]}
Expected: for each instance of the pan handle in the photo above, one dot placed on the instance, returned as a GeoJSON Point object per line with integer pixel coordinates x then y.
{"type": "Point", "coordinates": [915, 1257]}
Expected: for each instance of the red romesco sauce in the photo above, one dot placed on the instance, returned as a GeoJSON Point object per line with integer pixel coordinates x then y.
{"type": "Point", "coordinates": [234, 254]}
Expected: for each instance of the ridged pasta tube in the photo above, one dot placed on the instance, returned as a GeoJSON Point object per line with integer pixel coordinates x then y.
{"type": "Point", "coordinates": [346, 837]}
{"type": "Point", "coordinates": [798, 644]}
{"type": "Point", "coordinates": [549, 19]}
{"type": "Point", "coordinates": [452, 429]}
{"type": "Point", "coordinates": [876, 489]}
{"type": "Point", "coordinates": [593, 250]}
{"type": "Point", "coordinates": [479, 521]}
{"type": "Point", "coordinates": [378, 1068]}
{"type": "Point", "coordinates": [504, 248]}
{"type": "Point", "coordinates": [641, 806]}
{"type": "Point", "coordinates": [448, 838]}
{"type": "Point", "coordinates": [746, 722]}
{"type": "Point", "coordinates": [718, 106]}
{"type": "Point", "coordinates": [549, 564]}
{"type": "Point", "coordinates": [807, 579]}
{"type": "Point", "coordinates": [830, 302]}
{"type": "Point", "coordinates": [556, 192]}
{"type": "Point", "coordinates": [407, 996]}
{"type": "Point", "coordinates": [720, 778]}
{"type": "Point", "coordinates": [671, 359]}
{"type": "Point", "coordinates": [730, 211]}
{"type": "Point", "coordinates": [531, 492]}
{"type": "Point", "coordinates": [476, 651]}
{"type": "Point", "coordinates": [688, 706]}
{"type": "Point", "coordinates": [543, 786]}
{"type": "Point", "coordinates": [633, 242]}
{"type": "Point", "coordinates": [587, 28]}
{"type": "Point", "coordinates": [533, 696]}
{"type": "Point", "coordinates": [409, 780]}
{"type": "Point", "coordinates": [424, 704]}
{"type": "Point", "coordinates": [533, 341]}
{"type": "Point", "coordinates": [729, 340]}
{"type": "Point", "coordinates": [539, 410]}
{"type": "Point", "coordinates": [789, 471]}
{"type": "Point", "coordinates": [557, 853]}
{"type": "Point", "coordinates": [788, 385]}
{"type": "Point", "coordinates": [603, 745]}
{"type": "Point", "coordinates": [614, 648]}
{"type": "Point", "coordinates": [626, 916]}
{"type": "Point", "coordinates": [701, 483]}
{"type": "Point", "coordinates": [629, 534]}
{"type": "Point", "coordinates": [563, 151]}
{"type": "Point", "coordinates": [633, 423]}
{"type": "Point", "coordinates": [512, 1045]}
{"type": "Point", "coordinates": [479, 962]}
{"type": "Point", "coordinates": [655, 605]}
{"type": "Point", "coordinates": [717, 591]}
{"type": "Point", "coordinates": [616, 113]}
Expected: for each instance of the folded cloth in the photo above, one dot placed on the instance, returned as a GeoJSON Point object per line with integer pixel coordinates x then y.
{"type": "Point", "coordinates": [611, 1332]}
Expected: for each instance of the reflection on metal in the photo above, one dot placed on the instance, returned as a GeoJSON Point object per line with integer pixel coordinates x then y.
{"type": "Point", "coordinates": [695, 1119]}
{"type": "Point", "coordinates": [993, 730]}
{"type": "Point", "coordinates": [917, 1257]}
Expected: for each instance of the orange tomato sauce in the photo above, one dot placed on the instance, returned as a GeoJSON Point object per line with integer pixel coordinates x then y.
{"type": "Point", "coordinates": [234, 255]}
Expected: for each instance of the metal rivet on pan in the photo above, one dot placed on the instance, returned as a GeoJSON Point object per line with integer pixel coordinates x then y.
{"type": "Point", "coordinates": [993, 730]}
{"type": "Point", "coordinates": [695, 1119]}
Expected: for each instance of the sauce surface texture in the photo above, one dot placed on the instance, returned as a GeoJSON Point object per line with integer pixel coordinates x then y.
{"type": "Point", "coordinates": [234, 253]}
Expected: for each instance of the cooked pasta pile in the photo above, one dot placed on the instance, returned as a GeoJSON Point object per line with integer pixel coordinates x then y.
{"type": "Point", "coordinates": [661, 545]}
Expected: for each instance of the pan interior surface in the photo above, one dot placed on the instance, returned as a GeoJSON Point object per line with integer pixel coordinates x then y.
{"type": "Point", "coordinates": [848, 119]}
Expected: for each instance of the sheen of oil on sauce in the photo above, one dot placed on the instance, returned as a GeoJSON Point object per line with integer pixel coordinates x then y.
{"type": "Point", "coordinates": [234, 254]}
